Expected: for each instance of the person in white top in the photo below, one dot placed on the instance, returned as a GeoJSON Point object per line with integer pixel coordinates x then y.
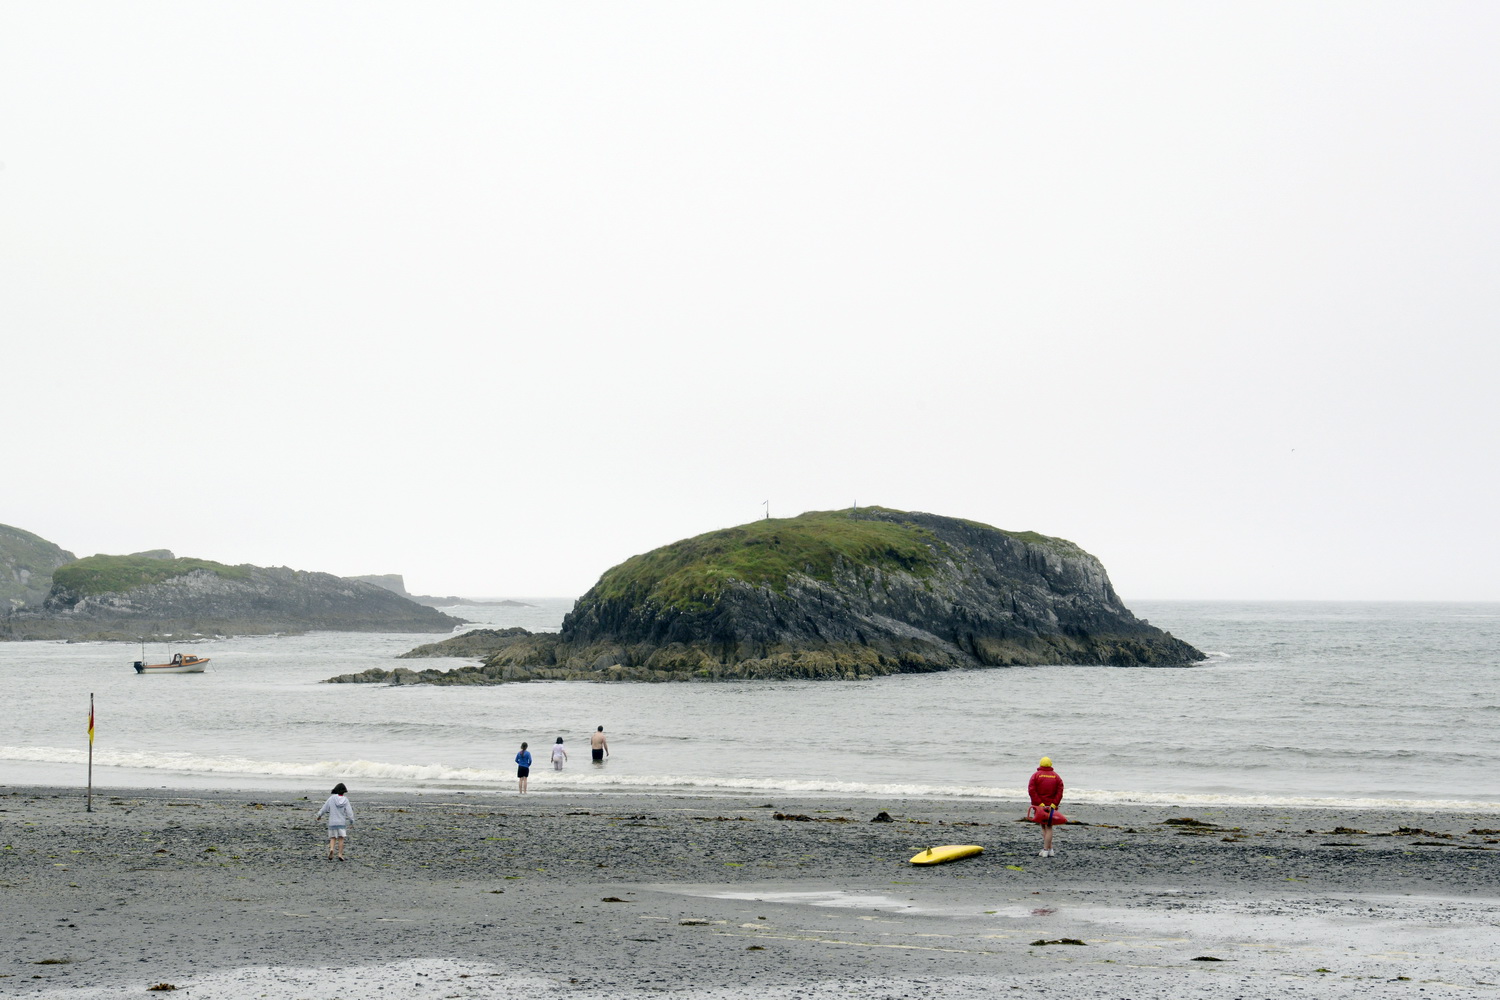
{"type": "Point", "coordinates": [558, 755]}
{"type": "Point", "coordinates": [340, 813]}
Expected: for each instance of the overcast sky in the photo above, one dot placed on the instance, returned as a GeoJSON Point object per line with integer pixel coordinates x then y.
{"type": "Point", "coordinates": [495, 295]}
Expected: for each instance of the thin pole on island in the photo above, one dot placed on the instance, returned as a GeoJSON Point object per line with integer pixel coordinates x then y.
{"type": "Point", "coordinates": [91, 753]}
{"type": "Point", "coordinates": [767, 505]}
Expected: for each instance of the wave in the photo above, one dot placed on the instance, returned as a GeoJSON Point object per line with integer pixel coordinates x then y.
{"type": "Point", "coordinates": [444, 777]}
{"type": "Point", "coordinates": [194, 764]}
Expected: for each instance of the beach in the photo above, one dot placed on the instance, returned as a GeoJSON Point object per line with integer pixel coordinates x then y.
{"type": "Point", "coordinates": [228, 894]}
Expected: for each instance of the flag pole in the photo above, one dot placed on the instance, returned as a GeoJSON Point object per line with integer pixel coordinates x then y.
{"type": "Point", "coordinates": [91, 753]}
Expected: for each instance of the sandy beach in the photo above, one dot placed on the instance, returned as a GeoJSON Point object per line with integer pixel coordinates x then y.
{"type": "Point", "coordinates": [603, 895]}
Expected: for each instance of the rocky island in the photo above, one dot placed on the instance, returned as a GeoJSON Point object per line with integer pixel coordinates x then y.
{"type": "Point", "coordinates": [152, 595]}
{"type": "Point", "coordinates": [844, 594]}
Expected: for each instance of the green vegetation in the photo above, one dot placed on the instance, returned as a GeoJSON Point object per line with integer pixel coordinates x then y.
{"type": "Point", "coordinates": [690, 573]}
{"type": "Point", "coordinates": [16, 534]}
{"type": "Point", "coordinates": [116, 574]}
{"type": "Point", "coordinates": [26, 565]}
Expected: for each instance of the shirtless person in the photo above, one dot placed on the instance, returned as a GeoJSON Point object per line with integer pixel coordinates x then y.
{"type": "Point", "coordinates": [600, 745]}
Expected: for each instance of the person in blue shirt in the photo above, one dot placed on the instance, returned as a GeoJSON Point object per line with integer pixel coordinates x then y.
{"type": "Point", "coordinates": [523, 766]}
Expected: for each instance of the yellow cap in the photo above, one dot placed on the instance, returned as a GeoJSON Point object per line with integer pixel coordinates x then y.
{"type": "Point", "coordinates": [1045, 762]}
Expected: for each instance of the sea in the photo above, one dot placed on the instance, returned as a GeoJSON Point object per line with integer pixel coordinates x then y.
{"type": "Point", "coordinates": [1299, 703]}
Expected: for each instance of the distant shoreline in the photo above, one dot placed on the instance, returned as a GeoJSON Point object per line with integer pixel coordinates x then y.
{"type": "Point", "coordinates": [471, 602]}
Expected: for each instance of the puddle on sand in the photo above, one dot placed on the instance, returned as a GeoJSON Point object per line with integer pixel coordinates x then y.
{"type": "Point", "coordinates": [840, 899]}
{"type": "Point", "coordinates": [1428, 941]}
{"type": "Point", "coordinates": [1376, 936]}
{"type": "Point", "coordinates": [834, 897]}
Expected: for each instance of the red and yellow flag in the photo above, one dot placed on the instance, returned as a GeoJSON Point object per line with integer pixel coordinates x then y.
{"type": "Point", "coordinates": [91, 723]}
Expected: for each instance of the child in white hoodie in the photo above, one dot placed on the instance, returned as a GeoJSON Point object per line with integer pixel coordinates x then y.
{"type": "Point", "coordinates": [340, 812]}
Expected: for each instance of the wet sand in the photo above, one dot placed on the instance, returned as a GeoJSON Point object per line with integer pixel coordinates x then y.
{"type": "Point", "coordinates": [604, 895]}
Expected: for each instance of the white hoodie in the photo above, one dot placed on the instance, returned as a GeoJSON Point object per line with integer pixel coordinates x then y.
{"type": "Point", "coordinates": [339, 809]}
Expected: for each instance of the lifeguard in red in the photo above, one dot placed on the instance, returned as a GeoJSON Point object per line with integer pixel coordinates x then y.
{"type": "Point", "coordinates": [1046, 791]}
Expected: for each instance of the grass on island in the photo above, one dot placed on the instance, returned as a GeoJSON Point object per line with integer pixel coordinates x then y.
{"type": "Point", "coordinates": [116, 574]}
{"type": "Point", "coordinates": [1061, 546]}
{"type": "Point", "coordinates": [19, 535]}
{"type": "Point", "coordinates": [689, 574]}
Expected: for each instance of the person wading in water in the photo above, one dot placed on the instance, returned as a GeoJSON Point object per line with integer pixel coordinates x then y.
{"type": "Point", "coordinates": [523, 767]}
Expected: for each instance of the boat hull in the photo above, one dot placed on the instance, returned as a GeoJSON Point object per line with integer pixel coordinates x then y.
{"type": "Point", "coordinates": [190, 666]}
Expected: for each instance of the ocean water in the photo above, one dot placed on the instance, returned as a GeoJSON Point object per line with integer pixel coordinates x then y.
{"type": "Point", "coordinates": [1299, 702]}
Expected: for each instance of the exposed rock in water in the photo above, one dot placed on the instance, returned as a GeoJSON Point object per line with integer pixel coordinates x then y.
{"type": "Point", "coordinates": [478, 642]}
{"type": "Point", "coordinates": [154, 595]}
{"type": "Point", "coordinates": [26, 565]}
{"type": "Point", "coordinates": [837, 594]}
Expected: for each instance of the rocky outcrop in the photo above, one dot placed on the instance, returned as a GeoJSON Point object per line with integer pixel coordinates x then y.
{"type": "Point", "coordinates": [184, 597]}
{"type": "Point", "coordinates": [26, 565]}
{"type": "Point", "coordinates": [479, 642]}
{"type": "Point", "coordinates": [840, 594]}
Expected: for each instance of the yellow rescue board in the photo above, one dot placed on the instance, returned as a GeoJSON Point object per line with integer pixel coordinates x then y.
{"type": "Point", "coordinates": [948, 852]}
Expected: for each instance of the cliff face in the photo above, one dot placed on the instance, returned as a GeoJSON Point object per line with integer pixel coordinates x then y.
{"type": "Point", "coordinates": [26, 565]}
{"type": "Point", "coordinates": [196, 596]}
{"type": "Point", "coordinates": [842, 595]}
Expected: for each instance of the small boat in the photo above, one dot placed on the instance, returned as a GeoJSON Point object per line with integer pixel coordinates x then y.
{"type": "Point", "coordinates": [180, 664]}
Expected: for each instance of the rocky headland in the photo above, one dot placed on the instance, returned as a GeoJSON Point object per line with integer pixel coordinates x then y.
{"type": "Point", "coordinates": [152, 595]}
{"type": "Point", "coordinates": [828, 594]}
{"type": "Point", "coordinates": [26, 565]}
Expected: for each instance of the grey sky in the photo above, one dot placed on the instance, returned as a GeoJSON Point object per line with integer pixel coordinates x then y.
{"type": "Point", "coordinates": [496, 295]}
